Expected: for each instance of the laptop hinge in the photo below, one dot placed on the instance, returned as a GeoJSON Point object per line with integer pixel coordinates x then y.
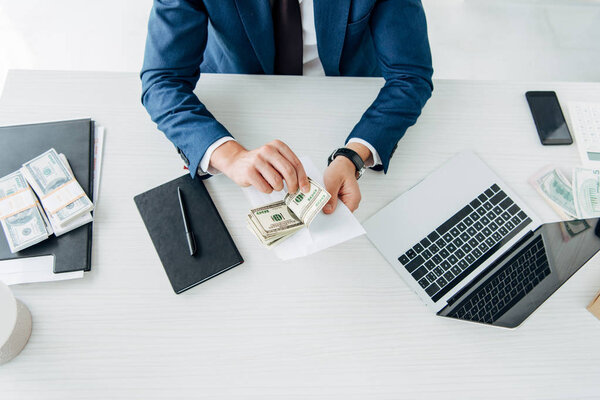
{"type": "Point", "coordinates": [486, 271]}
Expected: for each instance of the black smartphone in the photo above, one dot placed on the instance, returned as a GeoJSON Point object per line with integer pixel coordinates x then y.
{"type": "Point", "coordinates": [548, 117]}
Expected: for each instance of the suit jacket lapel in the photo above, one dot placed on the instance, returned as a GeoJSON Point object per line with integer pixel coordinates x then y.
{"type": "Point", "coordinates": [331, 20]}
{"type": "Point", "coordinates": [258, 24]}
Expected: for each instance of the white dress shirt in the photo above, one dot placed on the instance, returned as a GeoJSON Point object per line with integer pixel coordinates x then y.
{"type": "Point", "coordinates": [311, 66]}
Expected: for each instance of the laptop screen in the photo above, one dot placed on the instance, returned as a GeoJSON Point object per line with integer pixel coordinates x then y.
{"type": "Point", "coordinates": [514, 286]}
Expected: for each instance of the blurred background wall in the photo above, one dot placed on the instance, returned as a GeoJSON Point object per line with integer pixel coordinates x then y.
{"type": "Point", "coordinates": [539, 40]}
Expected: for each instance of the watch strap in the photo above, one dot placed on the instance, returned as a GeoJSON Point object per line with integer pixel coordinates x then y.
{"type": "Point", "coordinates": [353, 156]}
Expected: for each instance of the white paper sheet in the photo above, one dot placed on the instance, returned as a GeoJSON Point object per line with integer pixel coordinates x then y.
{"type": "Point", "coordinates": [98, 151]}
{"type": "Point", "coordinates": [40, 269]}
{"type": "Point", "coordinates": [34, 269]}
{"type": "Point", "coordinates": [324, 232]}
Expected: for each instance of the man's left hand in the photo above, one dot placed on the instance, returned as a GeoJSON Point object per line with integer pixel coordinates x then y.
{"type": "Point", "coordinates": [340, 180]}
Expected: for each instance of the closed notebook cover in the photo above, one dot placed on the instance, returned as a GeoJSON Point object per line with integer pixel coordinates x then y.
{"type": "Point", "coordinates": [75, 139]}
{"type": "Point", "coordinates": [215, 250]}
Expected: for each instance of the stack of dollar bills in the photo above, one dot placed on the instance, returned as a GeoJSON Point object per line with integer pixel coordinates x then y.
{"type": "Point", "coordinates": [22, 218]}
{"type": "Point", "coordinates": [578, 198]}
{"type": "Point", "coordinates": [64, 205]}
{"type": "Point", "coordinates": [274, 222]}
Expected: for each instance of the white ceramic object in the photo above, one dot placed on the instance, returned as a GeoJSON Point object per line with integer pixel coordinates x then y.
{"type": "Point", "coordinates": [15, 325]}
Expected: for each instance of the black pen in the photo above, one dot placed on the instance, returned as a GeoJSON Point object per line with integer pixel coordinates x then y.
{"type": "Point", "coordinates": [188, 233]}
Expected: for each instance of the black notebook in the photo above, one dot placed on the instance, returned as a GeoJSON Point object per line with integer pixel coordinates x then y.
{"type": "Point", "coordinates": [75, 139]}
{"type": "Point", "coordinates": [216, 252]}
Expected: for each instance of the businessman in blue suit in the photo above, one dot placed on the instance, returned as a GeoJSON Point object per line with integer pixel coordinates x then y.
{"type": "Point", "coordinates": [377, 38]}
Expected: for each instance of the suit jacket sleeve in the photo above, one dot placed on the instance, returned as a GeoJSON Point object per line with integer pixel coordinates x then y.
{"type": "Point", "coordinates": [177, 34]}
{"type": "Point", "coordinates": [399, 32]}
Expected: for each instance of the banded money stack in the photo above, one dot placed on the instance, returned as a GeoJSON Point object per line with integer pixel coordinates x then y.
{"type": "Point", "coordinates": [64, 205]}
{"type": "Point", "coordinates": [23, 221]}
{"type": "Point", "coordinates": [63, 199]}
{"type": "Point", "coordinates": [274, 222]}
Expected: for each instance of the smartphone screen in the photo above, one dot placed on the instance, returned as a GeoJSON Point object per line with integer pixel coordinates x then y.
{"type": "Point", "coordinates": [548, 117]}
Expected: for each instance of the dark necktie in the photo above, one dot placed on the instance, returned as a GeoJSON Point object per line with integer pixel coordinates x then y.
{"type": "Point", "coordinates": [287, 27]}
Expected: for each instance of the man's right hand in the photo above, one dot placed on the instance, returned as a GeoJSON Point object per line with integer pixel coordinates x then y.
{"type": "Point", "coordinates": [264, 168]}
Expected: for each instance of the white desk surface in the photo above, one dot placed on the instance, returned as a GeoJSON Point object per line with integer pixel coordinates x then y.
{"type": "Point", "coordinates": [338, 324]}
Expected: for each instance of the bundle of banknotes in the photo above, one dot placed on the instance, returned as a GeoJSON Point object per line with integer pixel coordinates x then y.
{"type": "Point", "coordinates": [60, 206]}
{"type": "Point", "coordinates": [578, 198]}
{"type": "Point", "coordinates": [22, 218]}
{"type": "Point", "coordinates": [275, 222]}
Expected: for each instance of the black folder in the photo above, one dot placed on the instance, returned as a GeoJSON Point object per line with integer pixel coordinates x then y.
{"type": "Point", "coordinates": [216, 252]}
{"type": "Point", "coordinates": [75, 139]}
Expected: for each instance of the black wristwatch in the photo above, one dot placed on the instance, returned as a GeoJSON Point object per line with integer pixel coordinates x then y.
{"type": "Point", "coordinates": [351, 155]}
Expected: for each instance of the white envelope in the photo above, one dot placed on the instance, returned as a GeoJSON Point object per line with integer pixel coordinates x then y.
{"type": "Point", "coordinates": [325, 230]}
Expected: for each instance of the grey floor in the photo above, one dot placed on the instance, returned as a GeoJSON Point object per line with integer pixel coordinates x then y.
{"type": "Point", "coordinates": [533, 40]}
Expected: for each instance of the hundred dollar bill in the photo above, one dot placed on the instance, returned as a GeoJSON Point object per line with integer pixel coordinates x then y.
{"type": "Point", "coordinates": [22, 219]}
{"type": "Point", "coordinates": [556, 189]}
{"type": "Point", "coordinates": [586, 192]}
{"type": "Point", "coordinates": [274, 222]}
{"type": "Point", "coordinates": [306, 206]}
{"type": "Point", "coordinates": [61, 195]}
{"type": "Point", "coordinates": [268, 242]}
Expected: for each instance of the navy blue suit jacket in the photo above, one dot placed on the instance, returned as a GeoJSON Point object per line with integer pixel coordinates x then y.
{"type": "Point", "coordinates": [354, 38]}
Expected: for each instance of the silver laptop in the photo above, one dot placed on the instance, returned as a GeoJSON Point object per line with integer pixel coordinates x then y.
{"type": "Point", "coordinates": [473, 250]}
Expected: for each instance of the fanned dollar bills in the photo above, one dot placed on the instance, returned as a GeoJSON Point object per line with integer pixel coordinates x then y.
{"type": "Point", "coordinates": [552, 185]}
{"type": "Point", "coordinates": [579, 198]}
{"type": "Point", "coordinates": [61, 196]}
{"type": "Point", "coordinates": [586, 192]}
{"type": "Point", "coordinates": [23, 221]}
{"type": "Point", "coordinates": [274, 222]}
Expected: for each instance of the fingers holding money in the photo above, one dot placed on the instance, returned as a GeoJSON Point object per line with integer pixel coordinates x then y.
{"type": "Point", "coordinates": [265, 168]}
{"type": "Point", "coordinates": [270, 175]}
{"type": "Point", "coordinates": [287, 171]}
{"type": "Point", "coordinates": [257, 180]}
{"type": "Point", "coordinates": [275, 168]}
{"type": "Point", "coordinates": [284, 161]}
{"type": "Point", "coordinates": [298, 168]}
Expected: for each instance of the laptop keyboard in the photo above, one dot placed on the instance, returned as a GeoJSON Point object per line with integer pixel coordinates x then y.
{"type": "Point", "coordinates": [507, 286]}
{"type": "Point", "coordinates": [443, 258]}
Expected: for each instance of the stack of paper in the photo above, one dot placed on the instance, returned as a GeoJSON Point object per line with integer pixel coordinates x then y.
{"type": "Point", "coordinates": [34, 269]}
